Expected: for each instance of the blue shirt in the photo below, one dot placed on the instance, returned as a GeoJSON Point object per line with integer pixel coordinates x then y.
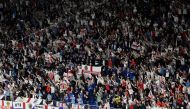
{"type": "Point", "coordinates": [49, 97]}
{"type": "Point", "coordinates": [162, 71]}
{"type": "Point", "coordinates": [80, 100]}
{"type": "Point", "coordinates": [187, 84]}
{"type": "Point", "coordinates": [40, 94]}
{"type": "Point", "coordinates": [7, 93]}
{"type": "Point", "coordinates": [131, 75]}
{"type": "Point", "coordinates": [73, 99]}
{"type": "Point", "coordinates": [67, 99]}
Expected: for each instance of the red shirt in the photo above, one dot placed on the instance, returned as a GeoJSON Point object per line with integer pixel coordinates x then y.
{"type": "Point", "coordinates": [20, 45]}
{"type": "Point", "coordinates": [48, 89]}
{"type": "Point", "coordinates": [51, 75]}
{"type": "Point", "coordinates": [74, 44]}
{"type": "Point", "coordinates": [131, 107]}
{"type": "Point", "coordinates": [153, 34]}
{"type": "Point", "coordinates": [133, 63]}
{"type": "Point", "coordinates": [110, 63]}
{"type": "Point", "coordinates": [123, 83]}
{"type": "Point", "coordinates": [180, 101]}
{"type": "Point", "coordinates": [107, 87]}
{"type": "Point", "coordinates": [141, 85]}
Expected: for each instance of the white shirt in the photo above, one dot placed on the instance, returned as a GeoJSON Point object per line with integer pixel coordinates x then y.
{"type": "Point", "coordinates": [188, 90]}
{"type": "Point", "coordinates": [130, 91]}
{"type": "Point", "coordinates": [179, 11]}
{"type": "Point", "coordinates": [188, 104]}
{"type": "Point", "coordinates": [182, 61]}
{"type": "Point", "coordinates": [103, 23]}
{"type": "Point", "coordinates": [167, 74]}
{"type": "Point", "coordinates": [130, 102]}
{"type": "Point", "coordinates": [184, 11]}
{"type": "Point", "coordinates": [107, 105]}
{"type": "Point", "coordinates": [57, 77]}
{"type": "Point", "coordinates": [100, 80]}
{"type": "Point", "coordinates": [52, 89]}
{"type": "Point", "coordinates": [181, 80]}
{"type": "Point", "coordinates": [148, 74]}
{"type": "Point", "coordinates": [93, 16]}
{"type": "Point", "coordinates": [176, 19]}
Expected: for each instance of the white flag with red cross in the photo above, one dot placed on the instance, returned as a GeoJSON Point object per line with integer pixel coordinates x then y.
{"type": "Point", "coordinates": [91, 69]}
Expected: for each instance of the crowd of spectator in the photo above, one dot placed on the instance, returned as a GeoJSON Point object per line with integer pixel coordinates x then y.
{"type": "Point", "coordinates": [143, 47]}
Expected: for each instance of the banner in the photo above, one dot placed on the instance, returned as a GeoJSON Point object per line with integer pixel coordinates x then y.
{"type": "Point", "coordinates": [22, 99]}
{"type": "Point", "coordinates": [17, 105]}
{"type": "Point", "coordinates": [77, 106]}
{"type": "Point", "coordinates": [6, 104]}
{"type": "Point", "coordinates": [53, 107]}
{"type": "Point", "coordinates": [1, 103]}
{"type": "Point", "coordinates": [40, 107]}
{"type": "Point", "coordinates": [63, 106]}
{"type": "Point", "coordinates": [23, 105]}
{"type": "Point", "coordinates": [35, 101]}
{"type": "Point", "coordinates": [27, 106]}
{"type": "Point", "coordinates": [29, 100]}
